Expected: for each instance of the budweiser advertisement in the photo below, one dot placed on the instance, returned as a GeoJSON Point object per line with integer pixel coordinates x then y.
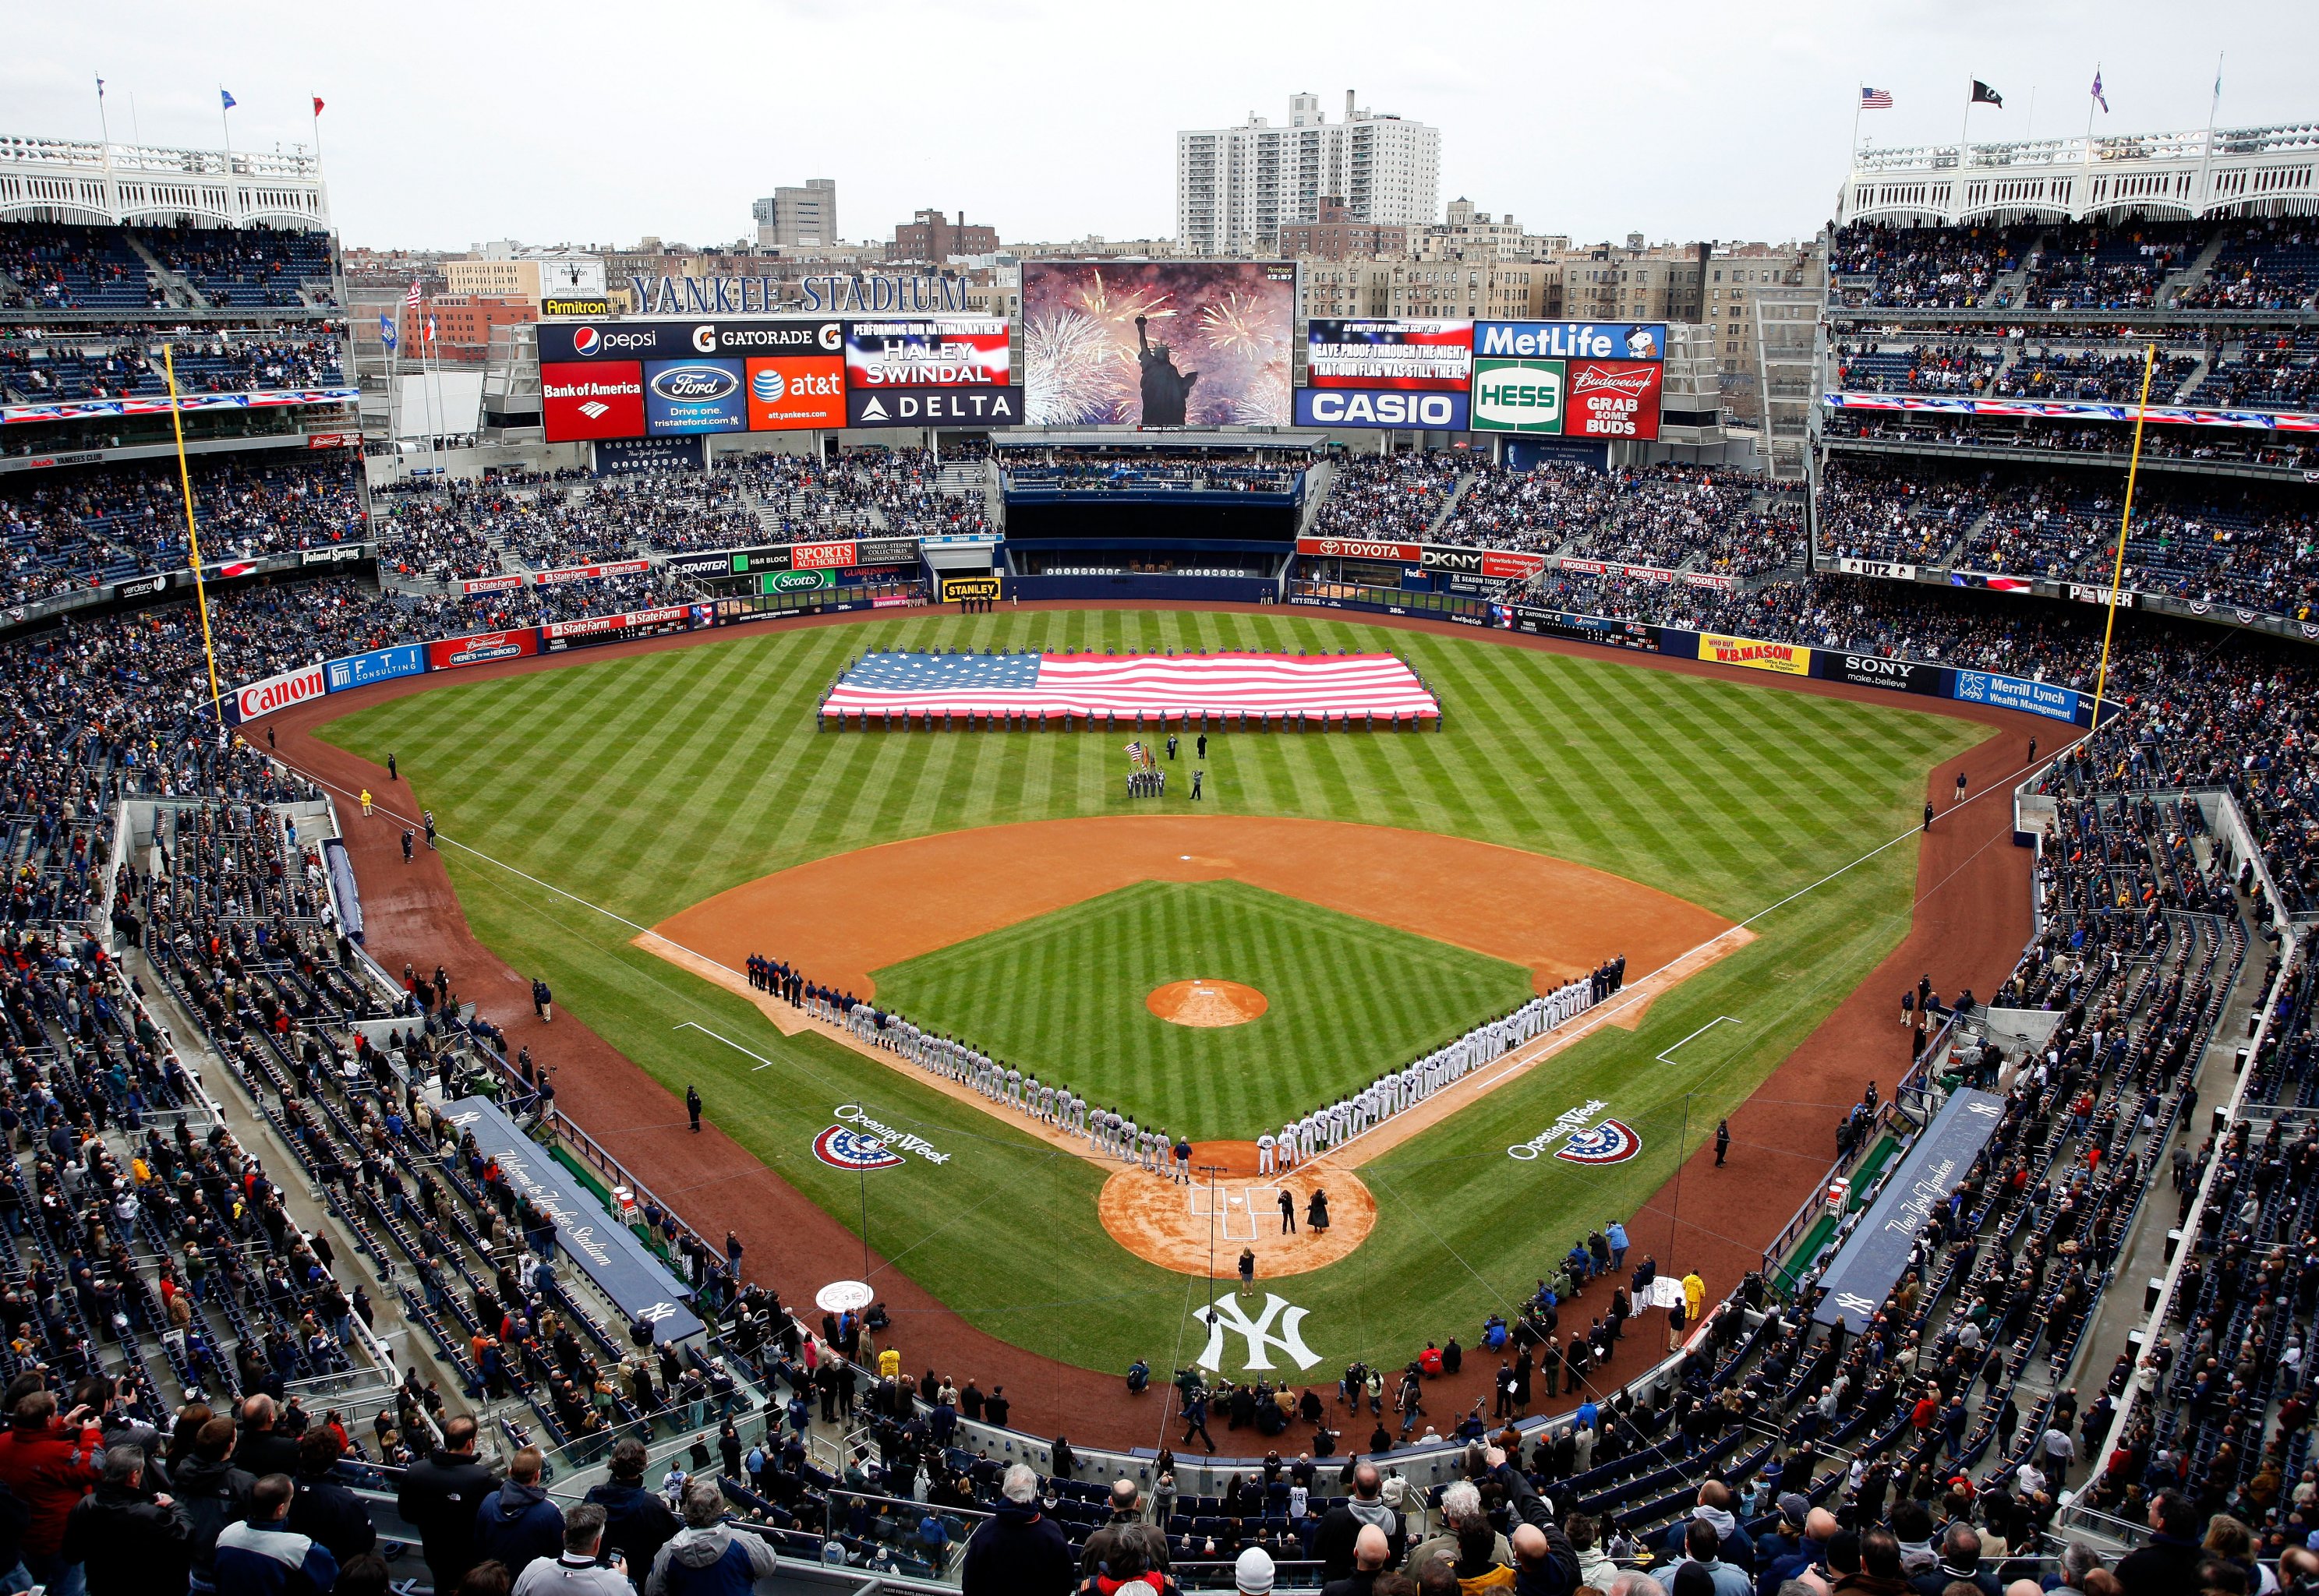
{"type": "Point", "coordinates": [583, 400]}
{"type": "Point", "coordinates": [481, 648]}
{"type": "Point", "coordinates": [1613, 399]}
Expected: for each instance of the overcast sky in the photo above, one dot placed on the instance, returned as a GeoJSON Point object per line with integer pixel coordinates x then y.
{"type": "Point", "coordinates": [583, 121]}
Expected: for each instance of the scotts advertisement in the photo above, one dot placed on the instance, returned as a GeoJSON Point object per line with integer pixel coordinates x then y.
{"type": "Point", "coordinates": [932, 406]}
{"type": "Point", "coordinates": [1380, 408]}
{"type": "Point", "coordinates": [945, 352]}
{"type": "Point", "coordinates": [578, 402]}
{"type": "Point", "coordinates": [683, 396]}
{"type": "Point", "coordinates": [1875, 670]}
{"type": "Point", "coordinates": [792, 393]}
{"type": "Point", "coordinates": [1614, 399]}
{"type": "Point", "coordinates": [1518, 396]}
{"type": "Point", "coordinates": [481, 648]}
{"type": "Point", "coordinates": [1754, 654]}
{"type": "Point", "coordinates": [279, 692]}
{"type": "Point", "coordinates": [1432, 357]}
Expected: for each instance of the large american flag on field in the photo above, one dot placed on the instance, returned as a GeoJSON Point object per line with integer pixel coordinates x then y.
{"type": "Point", "coordinates": [1057, 684]}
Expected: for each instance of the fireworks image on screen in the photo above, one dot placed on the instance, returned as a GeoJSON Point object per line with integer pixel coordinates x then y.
{"type": "Point", "coordinates": [1215, 336]}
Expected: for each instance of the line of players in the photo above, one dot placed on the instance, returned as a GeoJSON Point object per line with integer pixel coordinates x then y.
{"type": "Point", "coordinates": [1112, 1134]}
{"type": "Point", "coordinates": [1402, 1089]}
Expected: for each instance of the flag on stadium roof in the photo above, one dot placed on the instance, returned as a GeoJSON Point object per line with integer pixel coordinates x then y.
{"type": "Point", "coordinates": [227, 98]}
{"type": "Point", "coordinates": [1043, 685]}
{"type": "Point", "coordinates": [386, 331]}
{"type": "Point", "coordinates": [1873, 99]}
{"type": "Point", "coordinates": [317, 104]}
{"type": "Point", "coordinates": [2099, 99]}
{"type": "Point", "coordinates": [1982, 95]}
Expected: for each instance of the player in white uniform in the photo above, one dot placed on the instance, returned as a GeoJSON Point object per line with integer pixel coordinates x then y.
{"type": "Point", "coordinates": [1264, 1145]}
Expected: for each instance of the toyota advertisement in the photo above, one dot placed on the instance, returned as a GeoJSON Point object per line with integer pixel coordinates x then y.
{"type": "Point", "coordinates": [1187, 343]}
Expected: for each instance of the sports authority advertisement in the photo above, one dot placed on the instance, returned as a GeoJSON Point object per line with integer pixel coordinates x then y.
{"type": "Point", "coordinates": [1374, 408]}
{"type": "Point", "coordinates": [481, 648]}
{"type": "Point", "coordinates": [1572, 340]}
{"type": "Point", "coordinates": [1431, 357]}
{"type": "Point", "coordinates": [581, 400]}
{"type": "Point", "coordinates": [1614, 399]}
{"type": "Point", "coordinates": [1753, 653]}
{"type": "Point", "coordinates": [1519, 396]}
{"type": "Point", "coordinates": [787, 394]}
{"type": "Point", "coordinates": [934, 407]}
{"type": "Point", "coordinates": [687, 396]}
{"type": "Point", "coordinates": [945, 352]}
{"type": "Point", "coordinates": [1194, 343]}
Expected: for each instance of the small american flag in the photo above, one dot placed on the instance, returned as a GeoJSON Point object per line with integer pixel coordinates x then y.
{"type": "Point", "coordinates": [1873, 99]}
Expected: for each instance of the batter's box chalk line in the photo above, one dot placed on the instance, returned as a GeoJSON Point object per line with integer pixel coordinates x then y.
{"type": "Point", "coordinates": [1668, 1057]}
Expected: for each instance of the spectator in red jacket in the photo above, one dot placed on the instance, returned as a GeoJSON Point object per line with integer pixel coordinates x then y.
{"type": "Point", "coordinates": [52, 1465]}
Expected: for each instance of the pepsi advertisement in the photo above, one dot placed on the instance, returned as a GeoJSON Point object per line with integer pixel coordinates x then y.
{"type": "Point", "coordinates": [693, 396]}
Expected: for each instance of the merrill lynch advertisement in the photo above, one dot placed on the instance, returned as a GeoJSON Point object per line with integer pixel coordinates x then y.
{"type": "Point", "coordinates": [2012, 692]}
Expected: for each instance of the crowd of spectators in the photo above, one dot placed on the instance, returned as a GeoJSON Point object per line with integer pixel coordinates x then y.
{"type": "Point", "coordinates": [1388, 496]}
{"type": "Point", "coordinates": [2221, 445]}
{"type": "Point", "coordinates": [1925, 268]}
{"type": "Point", "coordinates": [2265, 264]}
{"type": "Point", "coordinates": [2102, 266]}
{"type": "Point", "coordinates": [39, 363]}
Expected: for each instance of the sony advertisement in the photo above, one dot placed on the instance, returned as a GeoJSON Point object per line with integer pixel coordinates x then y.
{"type": "Point", "coordinates": [1158, 343]}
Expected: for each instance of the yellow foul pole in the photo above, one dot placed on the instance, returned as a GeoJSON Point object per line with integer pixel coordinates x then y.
{"type": "Point", "coordinates": [192, 535]}
{"type": "Point", "coordinates": [2126, 519]}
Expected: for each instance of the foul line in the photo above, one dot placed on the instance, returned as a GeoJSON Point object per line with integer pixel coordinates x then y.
{"type": "Point", "coordinates": [1703, 1030]}
{"type": "Point", "coordinates": [762, 1063]}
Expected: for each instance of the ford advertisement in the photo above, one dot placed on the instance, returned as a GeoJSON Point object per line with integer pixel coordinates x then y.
{"type": "Point", "coordinates": [691, 396]}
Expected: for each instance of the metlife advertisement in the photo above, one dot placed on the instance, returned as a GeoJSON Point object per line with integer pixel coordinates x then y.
{"type": "Point", "coordinates": [1571, 341]}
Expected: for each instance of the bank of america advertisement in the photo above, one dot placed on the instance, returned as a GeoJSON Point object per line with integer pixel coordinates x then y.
{"type": "Point", "coordinates": [1158, 343]}
{"type": "Point", "coordinates": [1412, 355]}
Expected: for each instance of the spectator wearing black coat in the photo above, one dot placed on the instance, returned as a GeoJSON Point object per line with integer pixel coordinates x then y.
{"type": "Point", "coordinates": [517, 1525]}
{"type": "Point", "coordinates": [1018, 1551]}
{"type": "Point", "coordinates": [325, 1509]}
{"type": "Point", "coordinates": [261, 1450]}
{"type": "Point", "coordinates": [637, 1521]}
{"type": "Point", "coordinates": [128, 1543]}
{"type": "Point", "coordinates": [213, 1492]}
{"type": "Point", "coordinates": [2170, 1563]}
{"type": "Point", "coordinates": [1342, 1525]}
{"type": "Point", "coordinates": [439, 1496]}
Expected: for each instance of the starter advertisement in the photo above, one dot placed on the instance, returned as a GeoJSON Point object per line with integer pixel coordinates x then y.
{"type": "Point", "coordinates": [1432, 356]}
{"type": "Point", "coordinates": [1753, 653]}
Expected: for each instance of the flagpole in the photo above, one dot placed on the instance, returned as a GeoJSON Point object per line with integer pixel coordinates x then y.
{"type": "Point", "coordinates": [226, 124]}
{"type": "Point", "coordinates": [2207, 156]}
{"type": "Point", "coordinates": [1956, 199]}
{"type": "Point", "coordinates": [2117, 566]}
{"type": "Point", "coordinates": [192, 534]}
{"type": "Point", "coordinates": [1859, 92]}
{"type": "Point", "coordinates": [2086, 157]}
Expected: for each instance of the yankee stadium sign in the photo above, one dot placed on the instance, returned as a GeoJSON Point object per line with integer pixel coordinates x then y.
{"type": "Point", "coordinates": [871, 293]}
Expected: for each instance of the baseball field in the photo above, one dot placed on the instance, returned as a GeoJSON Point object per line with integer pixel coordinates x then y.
{"type": "Point", "coordinates": [584, 806]}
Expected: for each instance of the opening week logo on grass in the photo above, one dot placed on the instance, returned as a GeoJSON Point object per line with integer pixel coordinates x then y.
{"type": "Point", "coordinates": [843, 1148]}
{"type": "Point", "coordinates": [1608, 1141]}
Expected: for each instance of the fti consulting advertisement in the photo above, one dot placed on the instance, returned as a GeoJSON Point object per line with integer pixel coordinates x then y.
{"type": "Point", "coordinates": [1158, 343]}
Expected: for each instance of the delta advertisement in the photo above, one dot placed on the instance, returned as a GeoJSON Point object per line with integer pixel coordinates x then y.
{"type": "Point", "coordinates": [1201, 343]}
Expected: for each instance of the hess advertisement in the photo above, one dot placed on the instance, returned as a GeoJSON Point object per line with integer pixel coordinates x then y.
{"type": "Point", "coordinates": [1158, 343]}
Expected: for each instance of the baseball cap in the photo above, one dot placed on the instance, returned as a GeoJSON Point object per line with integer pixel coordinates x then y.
{"type": "Point", "coordinates": [1252, 1573]}
{"type": "Point", "coordinates": [1795, 1509]}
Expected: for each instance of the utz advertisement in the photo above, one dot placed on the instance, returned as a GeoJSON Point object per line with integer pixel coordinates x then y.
{"type": "Point", "coordinates": [1431, 357]}
{"type": "Point", "coordinates": [1519, 396]}
{"type": "Point", "coordinates": [1572, 340]}
{"type": "Point", "coordinates": [1753, 653]}
{"type": "Point", "coordinates": [692, 396]}
{"type": "Point", "coordinates": [581, 401]}
{"type": "Point", "coordinates": [794, 394]}
{"type": "Point", "coordinates": [1179, 343]}
{"type": "Point", "coordinates": [946, 352]}
{"type": "Point", "coordinates": [1614, 399]}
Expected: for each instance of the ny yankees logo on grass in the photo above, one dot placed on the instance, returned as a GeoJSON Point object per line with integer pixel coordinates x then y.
{"type": "Point", "coordinates": [1229, 1316]}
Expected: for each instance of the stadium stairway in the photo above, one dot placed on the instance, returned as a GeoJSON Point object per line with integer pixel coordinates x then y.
{"type": "Point", "coordinates": [1466, 479]}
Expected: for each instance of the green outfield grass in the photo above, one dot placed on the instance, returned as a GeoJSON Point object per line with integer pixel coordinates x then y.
{"type": "Point", "coordinates": [643, 784]}
{"type": "Point", "coordinates": [1061, 997]}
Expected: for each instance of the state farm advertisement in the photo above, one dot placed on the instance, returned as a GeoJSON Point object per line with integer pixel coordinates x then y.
{"type": "Point", "coordinates": [481, 648]}
{"type": "Point", "coordinates": [670, 617]}
{"type": "Point", "coordinates": [949, 352]}
{"type": "Point", "coordinates": [279, 692]}
{"type": "Point", "coordinates": [1613, 399]}
{"type": "Point", "coordinates": [581, 400]}
{"type": "Point", "coordinates": [1436, 356]}
{"type": "Point", "coordinates": [795, 393]}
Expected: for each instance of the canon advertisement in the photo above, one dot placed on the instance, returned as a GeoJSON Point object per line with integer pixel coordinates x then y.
{"type": "Point", "coordinates": [1428, 356]}
{"type": "Point", "coordinates": [949, 352]}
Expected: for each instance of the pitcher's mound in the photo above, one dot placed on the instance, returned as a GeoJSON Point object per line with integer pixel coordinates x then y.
{"type": "Point", "coordinates": [1206, 1002]}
